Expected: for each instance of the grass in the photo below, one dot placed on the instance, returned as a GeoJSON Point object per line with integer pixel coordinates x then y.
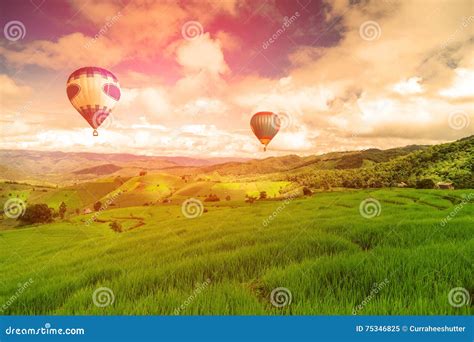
{"type": "Point", "coordinates": [319, 248]}
{"type": "Point", "coordinates": [236, 190]}
{"type": "Point", "coordinates": [75, 196]}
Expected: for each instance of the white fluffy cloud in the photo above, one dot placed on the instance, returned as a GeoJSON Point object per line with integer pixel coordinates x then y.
{"type": "Point", "coordinates": [400, 88]}
{"type": "Point", "coordinates": [202, 54]}
{"type": "Point", "coordinates": [68, 51]}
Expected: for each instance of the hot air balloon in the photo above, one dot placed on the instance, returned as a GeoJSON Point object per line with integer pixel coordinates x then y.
{"type": "Point", "coordinates": [93, 92]}
{"type": "Point", "coordinates": [265, 125]}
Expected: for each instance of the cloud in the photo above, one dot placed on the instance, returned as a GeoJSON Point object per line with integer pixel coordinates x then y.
{"type": "Point", "coordinates": [396, 80]}
{"type": "Point", "coordinates": [201, 54]}
{"type": "Point", "coordinates": [145, 28]}
{"type": "Point", "coordinates": [191, 97]}
{"type": "Point", "coordinates": [11, 90]}
{"type": "Point", "coordinates": [68, 51]}
{"type": "Point", "coordinates": [463, 85]}
{"type": "Point", "coordinates": [409, 86]}
{"type": "Point", "coordinates": [149, 101]}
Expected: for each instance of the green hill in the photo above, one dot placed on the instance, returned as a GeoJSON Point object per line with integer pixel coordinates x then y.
{"type": "Point", "coordinates": [451, 162]}
{"type": "Point", "coordinates": [321, 249]}
{"type": "Point", "coordinates": [76, 196]}
{"type": "Point", "coordinates": [145, 190]}
{"type": "Point", "coordinates": [328, 161]}
{"type": "Point", "coordinates": [235, 190]}
{"type": "Point", "coordinates": [413, 165]}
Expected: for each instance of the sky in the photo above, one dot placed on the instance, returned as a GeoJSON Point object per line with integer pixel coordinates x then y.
{"type": "Point", "coordinates": [341, 75]}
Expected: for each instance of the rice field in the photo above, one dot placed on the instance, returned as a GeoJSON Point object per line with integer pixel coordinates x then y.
{"type": "Point", "coordinates": [380, 252]}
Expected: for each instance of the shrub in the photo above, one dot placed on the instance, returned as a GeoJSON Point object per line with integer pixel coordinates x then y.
{"type": "Point", "coordinates": [250, 199]}
{"type": "Point", "coordinates": [116, 227]}
{"type": "Point", "coordinates": [263, 195]}
{"type": "Point", "coordinates": [212, 198]}
{"type": "Point", "coordinates": [37, 213]}
{"type": "Point", "coordinates": [97, 205]}
{"type": "Point", "coordinates": [307, 191]}
{"type": "Point", "coordinates": [62, 210]}
{"type": "Point", "coordinates": [426, 183]}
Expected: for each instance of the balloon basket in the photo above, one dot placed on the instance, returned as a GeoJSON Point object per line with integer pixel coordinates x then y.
{"type": "Point", "coordinates": [95, 133]}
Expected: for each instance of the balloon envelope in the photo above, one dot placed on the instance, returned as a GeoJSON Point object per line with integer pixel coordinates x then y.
{"type": "Point", "coordinates": [93, 92]}
{"type": "Point", "coordinates": [265, 125]}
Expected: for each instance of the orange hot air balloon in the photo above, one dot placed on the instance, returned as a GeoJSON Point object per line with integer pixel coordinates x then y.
{"type": "Point", "coordinates": [93, 92]}
{"type": "Point", "coordinates": [265, 125]}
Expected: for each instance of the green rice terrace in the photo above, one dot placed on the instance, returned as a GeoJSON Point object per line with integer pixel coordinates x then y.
{"type": "Point", "coordinates": [381, 251]}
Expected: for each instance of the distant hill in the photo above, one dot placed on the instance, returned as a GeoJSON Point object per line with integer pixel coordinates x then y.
{"type": "Point", "coordinates": [60, 167]}
{"type": "Point", "coordinates": [451, 162]}
{"type": "Point", "coordinates": [328, 161]}
{"type": "Point", "coordinates": [99, 170]}
{"type": "Point", "coordinates": [416, 166]}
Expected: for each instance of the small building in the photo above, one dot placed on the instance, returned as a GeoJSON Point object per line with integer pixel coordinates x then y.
{"type": "Point", "coordinates": [402, 185]}
{"type": "Point", "coordinates": [86, 211]}
{"type": "Point", "coordinates": [445, 185]}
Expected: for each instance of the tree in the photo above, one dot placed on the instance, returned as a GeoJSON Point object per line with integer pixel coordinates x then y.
{"type": "Point", "coordinates": [227, 198]}
{"type": "Point", "coordinates": [62, 210]}
{"type": "Point", "coordinates": [37, 213]}
{"type": "Point", "coordinates": [307, 191]}
{"type": "Point", "coordinates": [142, 173]}
{"type": "Point", "coordinates": [97, 205]}
{"type": "Point", "coordinates": [263, 195]}
{"type": "Point", "coordinates": [425, 184]}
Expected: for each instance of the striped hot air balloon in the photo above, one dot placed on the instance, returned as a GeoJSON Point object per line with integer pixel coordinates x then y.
{"type": "Point", "coordinates": [93, 92]}
{"type": "Point", "coordinates": [265, 125]}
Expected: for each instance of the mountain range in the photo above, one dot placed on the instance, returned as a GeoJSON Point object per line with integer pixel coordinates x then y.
{"type": "Point", "coordinates": [71, 167]}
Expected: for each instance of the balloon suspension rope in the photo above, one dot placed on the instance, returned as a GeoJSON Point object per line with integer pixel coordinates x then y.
{"type": "Point", "coordinates": [265, 148]}
{"type": "Point", "coordinates": [95, 133]}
